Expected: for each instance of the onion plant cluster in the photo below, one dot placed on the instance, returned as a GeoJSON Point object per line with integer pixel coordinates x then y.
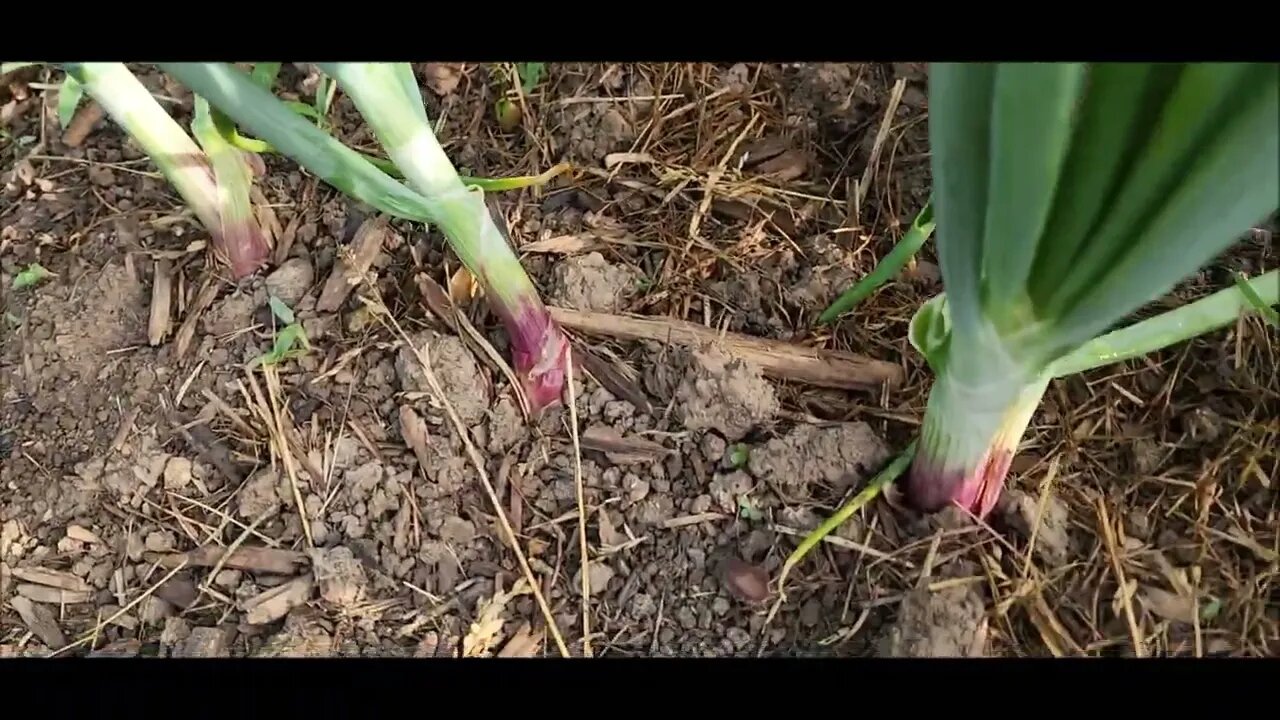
{"type": "Point", "coordinates": [214, 178]}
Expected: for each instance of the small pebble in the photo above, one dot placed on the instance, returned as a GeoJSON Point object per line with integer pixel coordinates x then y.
{"type": "Point", "coordinates": [749, 583]}
{"type": "Point", "coordinates": [811, 612]}
{"type": "Point", "coordinates": [713, 447]}
{"type": "Point", "coordinates": [177, 473]}
{"type": "Point", "coordinates": [159, 541]}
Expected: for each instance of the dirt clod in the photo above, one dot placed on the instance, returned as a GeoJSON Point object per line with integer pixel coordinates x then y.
{"type": "Point", "coordinates": [302, 636]}
{"type": "Point", "coordinates": [259, 497]}
{"type": "Point", "coordinates": [747, 582]}
{"type": "Point", "coordinates": [291, 280]}
{"type": "Point", "coordinates": [1052, 532]}
{"type": "Point", "coordinates": [455, 369]}
{"type": "Point", "coordinates": [204, 642]}
{"type": "Point", "coordinates": [339, 575]}
{"type": "Point", "coordinates": [722, 393]}
{"type": "Point", "coordinates": [946, 623]}
{"type": "Point", "coordinates": [177, 473]}
{"type": "Point", "coordinates": [837, 456]}
{"type": "Point", "coordinates": [589, 282]}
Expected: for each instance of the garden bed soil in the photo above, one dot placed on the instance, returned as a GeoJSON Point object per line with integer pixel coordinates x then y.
{"type": "Point", "coordinates": [170, 498]}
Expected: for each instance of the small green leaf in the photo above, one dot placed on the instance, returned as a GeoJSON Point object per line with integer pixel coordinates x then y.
{"type": "Point", "coordinates": [514, 183]}
{"type": "Point", "coordinates": [886, 269]}
{"type": "Point", "coordinates": [930, 330]}
{"type": "Point", "coordinates": [739, 455]}
{"type": "Point", "coordinates": [1210, 610]}
{"type": "Point", "coordinates": [303, 109]}
{"type": "Point", "coordinates": [280, 310]}
{"type": "Point", "coordinates": [530, 74]}
{"type": "Point", "coordinates": [283, 348]}
{"type": "Point", "coordinates": [69, 94]}
{"type": "Point", "coordinates": [748, 509]}
{"type": "Point", "coordinates": [325, 90]}
{"type": "Point", "coordinates": [33, 274]}
{"type": "Point", "coordinates": [264, 74]}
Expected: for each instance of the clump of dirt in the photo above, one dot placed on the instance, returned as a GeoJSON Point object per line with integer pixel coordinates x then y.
{"type": "Point", "coordinates": [291, 280]}
{"type": "Point", "coordinates": [262, 495]}
{"type": "Point", "coordinates": [837, 456]}
{"type": "Point", "coordinates": [748, 294]}
{"type": "Point", "coordinates": [234, 312]}
{"type": "Point", "coordinates": [727, 488]}
{"type": "Point", "coordinates": [725, 394]}
{"type": "Point", "coordinates": [589, 282]}
{"type": "Point", "coordinates": [128, 475]}
{"type": "Point", "coordinates": [455, 369]}
{"type": "Point", "coordinates": [303, 635]}
{"type": "Point", "coordinates": [79, 357]}
{"type": "Point", "coordinates": [339, 575]}
{"type": "Point", "coordinates": [947, 623]}
{"type": "Point", "coordinates": [588, 131]}
{"type": "Point", "coordinates": [829, 93]}
{"type": "Point", "coordinates": [1021, 511]}
{"type": "Point", "coordinates": [829, 274]}
{"type": "Point", "coordinates": [506, 425]}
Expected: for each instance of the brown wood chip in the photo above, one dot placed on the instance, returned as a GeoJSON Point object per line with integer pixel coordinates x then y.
{"type": "Point", "coordinates": [1170, 606]}
{"type": "Point", "coordinates": [524, 643]}
{"type": "Point", "coordinates": [350, 267]}
{"type": "Point", "coordinates": [621, 450]}
{"type": "Point", "coordinates": [39, 620]}
{"type": "Point", "coordinates": [161, 319]}
{"type": "Point", "coordinates": [53, 596]}
{"type": "Point", "coordinates": [783, 360]}
{"type": "Point", "coordinates": [612, 377]}
{"type": "Point", "coordinates": [562, 245]}
{"type": "Point", "coordinates": [246, 557]}
{"type": "Point", "coordinates": [52, 578]}
{"type": "Point", "coordinates": [83, 534]}
{"type": "Point", "coordinates": [436, 300]}
{"type": "Point", "coordinates": [414, 431]}
{"type": "Point", "coordinates": [204, 642]}
{"type": "Point", "coordinates": [83, 123]}
{"type": "Point", "coordinates": [275, 603]}
{"type": "Point", "coordinates": [187, 331]}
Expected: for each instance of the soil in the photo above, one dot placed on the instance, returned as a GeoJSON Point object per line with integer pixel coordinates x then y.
{"type": "Point", "coordinates": [180, 498]}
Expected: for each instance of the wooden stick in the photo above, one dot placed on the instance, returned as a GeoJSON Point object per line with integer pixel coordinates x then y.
{"type": "Point", "coordinates": [783, 360]}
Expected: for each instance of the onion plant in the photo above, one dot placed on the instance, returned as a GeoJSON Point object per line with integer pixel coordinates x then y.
{"type": "Point", "coordinates": [1066, 197]}
{"type": "Point", "coordinates": [213, 177]}
{"type": "Point", "coordinates": [387, 96]}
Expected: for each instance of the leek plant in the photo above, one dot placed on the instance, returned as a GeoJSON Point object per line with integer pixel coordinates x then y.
{"type": "Point", "coordinates": [213, 177]}
{"type": "Point", "coordinates": [1066, 197]}
{"type": "Point", "coordinates": [387, 96]}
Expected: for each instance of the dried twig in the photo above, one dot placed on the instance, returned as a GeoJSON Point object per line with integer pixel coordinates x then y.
{"type": "Point", "coordinates": [787, 361]}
